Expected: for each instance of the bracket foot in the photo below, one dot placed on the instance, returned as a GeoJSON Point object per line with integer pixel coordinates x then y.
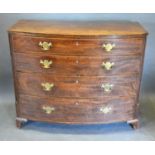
{"type": "Point", "coordinates": [134, 123]}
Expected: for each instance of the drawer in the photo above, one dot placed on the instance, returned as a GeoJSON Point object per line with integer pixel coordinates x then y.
{"type": "Point", "coordinates": [76, 65]}
{"type": "Point", "coordinates": [81, 87]}
{"type": "Point", "coordinates": [76, 111]}
{"type": "Point", "coordinates": [85, 47]}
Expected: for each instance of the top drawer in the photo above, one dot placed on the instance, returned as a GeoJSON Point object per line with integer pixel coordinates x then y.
{"type": "Point", "coordinates": [85, 47]}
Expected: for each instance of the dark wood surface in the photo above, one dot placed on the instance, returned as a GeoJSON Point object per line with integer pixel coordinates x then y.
{"type": "Point", "coordinates": [76, 111]}
{"type": "Point", "coordinates": [31, 84]}
{"type": "Point", "coordinates": [77, 66]}
{"type": "Point", "coordinates": [79, 47]}
{"type": "Point", "coordinates": [76, 71]}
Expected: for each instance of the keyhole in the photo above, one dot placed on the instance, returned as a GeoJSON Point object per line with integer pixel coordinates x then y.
{"type": "Point", "coordinates": [77, 43]}
{"type": "Point", "coordinates": [77, 61]}
{"type": "Point", "coordinates": [76, 103]}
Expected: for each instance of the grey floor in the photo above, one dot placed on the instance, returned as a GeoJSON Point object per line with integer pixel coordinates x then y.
{"type": "Point", "coordinates": [44, 131]}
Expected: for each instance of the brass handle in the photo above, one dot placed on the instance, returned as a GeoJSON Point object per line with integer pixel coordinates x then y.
{"type": "Point", "coordinates": [48, 110]}
{"type": "Point", "coordinates": [45, 45]}
{"type": "Point", "coordinates": [105, 110]}
{"type": "Point", "coordinates": [108, 65]}
{"type": "Point", "coordinates": [47, 86]}
{"type": "Point", "coordinates": [107, 87]}
{"type": "Point", "coordinates": [46, 63]}
{"type": "Point", "coordinates": [108, 47]}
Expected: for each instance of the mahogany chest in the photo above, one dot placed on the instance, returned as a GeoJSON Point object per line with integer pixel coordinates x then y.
{"type": "Point", "coordinates": [77, 72]}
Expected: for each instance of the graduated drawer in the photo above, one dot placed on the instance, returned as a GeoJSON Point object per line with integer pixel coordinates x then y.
{"type": "Point", "coordinates": [76, 111]}
{"type": "Point", "coordinates": [85, 47]}
{"type": "Point", "coordinates": [81, 87]}
{"type": "Point", "coordinates": [76, 65]}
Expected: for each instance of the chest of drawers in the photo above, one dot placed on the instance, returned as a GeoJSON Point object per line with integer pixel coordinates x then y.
{"type": "Point", "coordinates": [77, 72]}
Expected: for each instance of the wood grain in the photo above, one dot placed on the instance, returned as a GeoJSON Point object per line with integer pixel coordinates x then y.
{"type": "Point", "coordinates": [31, 84]}
{"type": "Point", "coordinates": [79, 28]}
{"type": "Point", "coordinates": [68, 111]}
{"type": "Point", "coordinates": [80, 47]}
{"type": "Point", "coordinates": [76, 72]}
{"type": "Point", "coordinates": [80, 66]}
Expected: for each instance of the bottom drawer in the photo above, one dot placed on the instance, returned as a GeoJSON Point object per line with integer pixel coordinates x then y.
{"type": "Point", "coordinates": [76, 111]}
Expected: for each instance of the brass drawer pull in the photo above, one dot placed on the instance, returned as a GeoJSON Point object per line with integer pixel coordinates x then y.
{"type": "Point", "coordinates": [108, 47]}
{"type": "Point", "coordinates": [48, 110]}
{"type": "Point", "coordinates": [45, 45]}
{"type": "Point", "coordinates": [108, 65]}
{"type": "Point", "coordinates": [105, 110]}
{"type": "Point", "coordinates": [107, 87]}
{"type": "Point", "coordinates": [46, 63]}
{"type": "Point", "coordinates": [47, 86]}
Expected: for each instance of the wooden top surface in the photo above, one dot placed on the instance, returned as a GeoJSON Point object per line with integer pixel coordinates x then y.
{"type": "Point", "coordinates": [94, 28]}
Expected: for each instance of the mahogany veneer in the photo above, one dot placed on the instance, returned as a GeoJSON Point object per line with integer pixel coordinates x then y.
{"type": "Point", "coordinates": [77, 72]}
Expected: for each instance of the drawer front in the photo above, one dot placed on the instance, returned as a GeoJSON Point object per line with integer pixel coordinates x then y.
{"type": "Point", "coordinates": [76, 110]}
{"type": "Point", "coordinates": [48, 86]}
{"type": "Point", "coordinates": [85, 47]}
{"type": "Point", "coordinates": [73, 65]}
